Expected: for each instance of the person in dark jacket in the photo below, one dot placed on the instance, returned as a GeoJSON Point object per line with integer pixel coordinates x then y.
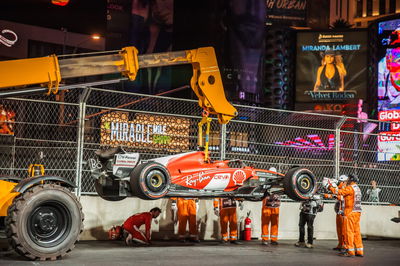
{"type": "Point", "coordinates": [308, 212]}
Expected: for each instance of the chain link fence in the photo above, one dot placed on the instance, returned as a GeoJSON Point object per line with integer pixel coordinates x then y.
{"type": "Point", "coordinates": [68, 128]}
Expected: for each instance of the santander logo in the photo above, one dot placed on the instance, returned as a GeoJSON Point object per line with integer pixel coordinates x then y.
{"type": "Point", "coordinates": [238, 177]}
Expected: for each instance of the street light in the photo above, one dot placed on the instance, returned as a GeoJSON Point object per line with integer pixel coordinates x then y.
{"type": "Point", "coordinates": [94, 37]}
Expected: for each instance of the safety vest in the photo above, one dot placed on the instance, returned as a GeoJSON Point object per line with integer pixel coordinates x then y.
{"type": "Point", "coordinates": [273, 201]}
{"type": "Point", "coordinates": [228, 203]}
{"type": "Point", "coordinates": [357, 198]}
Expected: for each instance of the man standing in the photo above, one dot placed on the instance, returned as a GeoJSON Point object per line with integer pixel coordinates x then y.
{"type": "Point", "coordinates": [352, 213]}
{"type": "Point", "coordinates": [339, 209]}
{"type": "Point", "coordinates": [226, 209]}
{"type": "Point", "coordinates": [133, 223]}
{"type": "Point", "coordinates": [186, 209]}
{"type": "Point", "coordinates": [308, 212]}
{"type": "Point", "coordinates": [270, 216]}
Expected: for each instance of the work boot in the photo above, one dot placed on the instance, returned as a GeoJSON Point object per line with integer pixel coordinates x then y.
{"type": "Point", "coordinates": [308, 245]}
{"type": "Point", "coordinates": [265, 243]}
{"type": "Point", "coordinates": [336, 248]}
{"type": "Point", "coordinates": [275, 243]}
{"type": "Point", "coordinates": [194, 240]}
{"type": "Point", "coordinates": [236, 242]}
{"type": "Point", "coordinates": [346, 254]}
{"type": "Point", "coordinates": [300, 244]}
{"type": "Point", "coordinates": [359, 255]}
{"type": "Point", "coordinates": [182, 240]}
{"type": "Point", "coordinates": [224, 242]}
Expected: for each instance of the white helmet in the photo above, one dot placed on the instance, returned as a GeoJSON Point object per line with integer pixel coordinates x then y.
{"type": "Point", "coordinates": [273, 169]}
{"type": "Point", "coordinates": [343, 178]}
{"type": "Point", "coordinates": [316, 197]}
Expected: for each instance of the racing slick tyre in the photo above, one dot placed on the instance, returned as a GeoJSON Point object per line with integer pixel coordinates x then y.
{"type": "Point", "coordinates": [150, 181]}
{"type": "Point", "coordinates": [102, 192]}
{"type": "Point", "coordinates": [44, 222]}
{"type": "Point", "coordinates": [299, 183]}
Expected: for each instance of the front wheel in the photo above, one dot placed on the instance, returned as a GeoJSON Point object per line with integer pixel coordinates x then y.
{"type": "Point", "coordinates": [44, 222]}
{"type": "Point", "coordinates": [150, 181]}
{"type": "Point", "coordinates": [299, 184]}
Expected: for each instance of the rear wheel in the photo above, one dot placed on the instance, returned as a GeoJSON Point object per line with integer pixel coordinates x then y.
{"type": "Point", "coordinates": [299, 183]}
{"type": "Point", "coordinates": [150, 181]}
{"type": "Point", "coordinates": [44, 222]}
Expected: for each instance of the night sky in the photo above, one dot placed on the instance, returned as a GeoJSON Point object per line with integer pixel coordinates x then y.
{"type": "Point", "coordinates": [81, 16]}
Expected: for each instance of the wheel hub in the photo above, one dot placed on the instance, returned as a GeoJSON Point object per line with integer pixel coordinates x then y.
{"type": "Point", "coordinates": [47, 222]}
{"type": "Point", "coordinates": [156, 180]}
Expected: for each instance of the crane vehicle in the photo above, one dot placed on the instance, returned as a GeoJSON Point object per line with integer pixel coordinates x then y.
{"type": "Point", "coordinates": [43, 218]}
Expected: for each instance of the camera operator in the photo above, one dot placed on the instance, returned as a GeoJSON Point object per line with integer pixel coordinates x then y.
{"type": "Point", "coordinates": [308, 211]}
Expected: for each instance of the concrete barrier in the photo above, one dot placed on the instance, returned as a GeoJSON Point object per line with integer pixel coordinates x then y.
{"type": "Point", "coordinates": [101, 215]}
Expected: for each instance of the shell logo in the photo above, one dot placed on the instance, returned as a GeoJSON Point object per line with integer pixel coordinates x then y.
{"type": "Point", "coordinates": [238, 177]}
{"type": "Point", "coordinates": [60, 2]}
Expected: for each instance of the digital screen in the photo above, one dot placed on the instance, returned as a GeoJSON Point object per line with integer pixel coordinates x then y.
{"type": "Point", "coordinates": [389, 65]}
{"type": "Point", "coordinates": [331, 66]}
{"type": "Point", "coordinates": [388, 54]}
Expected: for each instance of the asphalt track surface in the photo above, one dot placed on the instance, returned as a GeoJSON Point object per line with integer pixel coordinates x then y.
{"type": "Point", "coordinates": [114, 253]}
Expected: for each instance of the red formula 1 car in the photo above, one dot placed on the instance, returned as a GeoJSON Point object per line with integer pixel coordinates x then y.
{"type": "Point", "coordinates": [119, 174]}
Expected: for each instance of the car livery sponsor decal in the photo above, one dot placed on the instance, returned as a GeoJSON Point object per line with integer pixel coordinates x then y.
{"type": "Point", "coordinates": [205, 180]}
{"type": "Point", "coordinates": [238, 177]}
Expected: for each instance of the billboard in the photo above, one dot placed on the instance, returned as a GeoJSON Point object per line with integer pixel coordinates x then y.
{"type": "Point", "coordinates": [388, 65]}
{"type": "Point", "coordinates": [388, 82]}
{"type": "Point", "coordinates": [145, 131]}
{"type": "Point", "coordinates": [292, 13]}
{"type": "Point", "coordinates": [331, 66]}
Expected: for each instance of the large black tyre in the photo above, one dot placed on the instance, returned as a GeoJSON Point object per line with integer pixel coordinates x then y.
{"type": "Point", "coordinates": [102, 192]}
{"type": "Point", "coordinates": [299, 183]}
{"type": "Point", "coordinates": [150, 181]}
{"type": "Point", "coordinates": [44, 222]}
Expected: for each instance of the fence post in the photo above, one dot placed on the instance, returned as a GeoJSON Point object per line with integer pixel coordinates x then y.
{"type": "Point", "coordinates": [80, 139]}
{"type": "Point", "coordinates": [338, 125]}
{"type": "Point", "coordinates": [222, 145]}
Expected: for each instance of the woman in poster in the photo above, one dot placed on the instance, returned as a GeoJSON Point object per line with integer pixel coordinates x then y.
{"type": "Point", "coordinates": [331, 73]}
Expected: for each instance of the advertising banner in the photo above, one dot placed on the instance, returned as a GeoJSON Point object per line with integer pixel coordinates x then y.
{"type": "Point", "coordinates": [145, 131]}
{"type": "Point", "coordinates": [331, 66]}
{"type": "Point", "coordinates": [286, 12]}
{"type": "Point", "coordinates": [389, 66]}
{"type": "Point", "coordinates": [388, 54]}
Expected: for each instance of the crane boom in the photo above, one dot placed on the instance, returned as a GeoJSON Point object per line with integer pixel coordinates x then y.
{"type": "Point", "coordinates": [48, 72]}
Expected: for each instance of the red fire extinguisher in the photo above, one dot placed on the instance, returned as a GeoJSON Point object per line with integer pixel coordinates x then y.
{"type": "Point", "coordinates": [247, 228]}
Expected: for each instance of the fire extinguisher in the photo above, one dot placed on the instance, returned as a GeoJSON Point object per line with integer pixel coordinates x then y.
{"type": "Point", "coordinates": [247, 228]}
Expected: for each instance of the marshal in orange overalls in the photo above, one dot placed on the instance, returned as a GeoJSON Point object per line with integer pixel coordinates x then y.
{"type": "Point", "coordinates": [187, 213]}
{"type": "Point", "coordinates": [339, 208]}
{"type": "Point", "coordinates": [270, 216]}
{"type": "Point", "coordinates": [227, 214]}
{"type": "Point", "coordinates": [352, 213]}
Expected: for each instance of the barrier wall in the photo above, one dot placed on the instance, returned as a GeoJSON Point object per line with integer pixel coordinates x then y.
{"type": "Point", "coordinates": [100, 215]}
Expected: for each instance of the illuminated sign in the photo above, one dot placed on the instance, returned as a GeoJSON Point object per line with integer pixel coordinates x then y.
{"type": "Point", "coordinates": [8, 37]}
{"type": "Point", "coordinates": [310, 142]}
{"type": "Point", "coordinates": [393, 115]}
{"type": "Point", "coordinates": [331, 67]}
{"type": "Point", "coordinates": [388, 54]}
{"type": "Point", "coordinates": [60, 2]}
{"type": "Point", "coordinates": [145, 131]}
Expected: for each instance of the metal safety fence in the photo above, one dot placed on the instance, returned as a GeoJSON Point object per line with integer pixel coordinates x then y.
{"type": "Point", "coordinates": [62, 132]}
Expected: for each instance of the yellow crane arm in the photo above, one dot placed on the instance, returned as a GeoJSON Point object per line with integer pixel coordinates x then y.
{"type": "Point", "coordinates": [49, 71]}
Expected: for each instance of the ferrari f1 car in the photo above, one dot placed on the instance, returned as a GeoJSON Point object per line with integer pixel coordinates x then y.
{"type": "Point", "coordinates": [119, 174]}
